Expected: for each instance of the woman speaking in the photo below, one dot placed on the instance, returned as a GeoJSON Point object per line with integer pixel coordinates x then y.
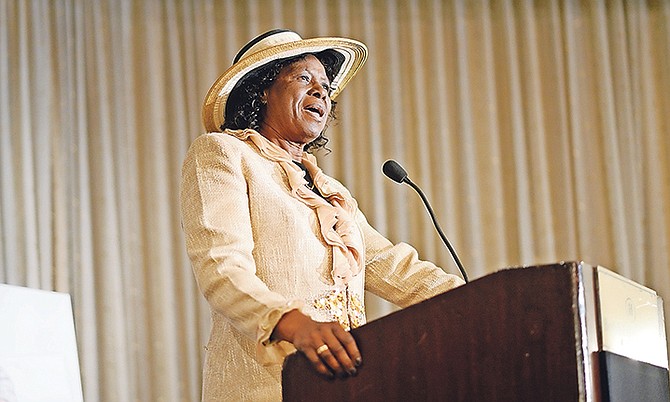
{"type": "Point", "coordinates": [279, 249]}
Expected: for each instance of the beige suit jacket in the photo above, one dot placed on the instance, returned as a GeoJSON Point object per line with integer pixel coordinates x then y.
{"type": "Point", "coordinates": [257, 252]}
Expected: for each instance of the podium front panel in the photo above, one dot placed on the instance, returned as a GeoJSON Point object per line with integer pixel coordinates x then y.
{"type": "Point", "coordinates": [515, 335]}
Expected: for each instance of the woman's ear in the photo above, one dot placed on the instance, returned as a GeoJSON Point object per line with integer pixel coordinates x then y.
{"type": "Point", "coordinates": [264, 97]}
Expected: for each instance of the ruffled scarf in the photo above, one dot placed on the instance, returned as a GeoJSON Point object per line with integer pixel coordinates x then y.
{"type": "Point", "coordinates": [335, 216]}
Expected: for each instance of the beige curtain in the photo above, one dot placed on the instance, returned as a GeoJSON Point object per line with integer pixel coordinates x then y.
{"type": "Point", "coordinates": [540, 130]}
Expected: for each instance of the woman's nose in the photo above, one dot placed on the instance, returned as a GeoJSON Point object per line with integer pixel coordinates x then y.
{"type": "Point", "coordinates": [318, 91]}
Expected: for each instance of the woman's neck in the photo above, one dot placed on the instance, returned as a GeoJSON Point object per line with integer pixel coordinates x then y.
{"type": "Point", "coordinates": [293, 148]}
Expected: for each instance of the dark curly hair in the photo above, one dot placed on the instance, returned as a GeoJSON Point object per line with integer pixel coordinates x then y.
{"type": "Point", "coordinates": [244, 108]}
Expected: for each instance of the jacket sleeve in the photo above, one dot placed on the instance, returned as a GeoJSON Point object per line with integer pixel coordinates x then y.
{"type": "Point", "coordinates": [395, 273]}
{"type": "Point", "coordinates": [219, 241]}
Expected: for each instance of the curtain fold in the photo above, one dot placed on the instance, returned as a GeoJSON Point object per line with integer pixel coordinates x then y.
{"type": "Point", "coordinates": [540, 131]}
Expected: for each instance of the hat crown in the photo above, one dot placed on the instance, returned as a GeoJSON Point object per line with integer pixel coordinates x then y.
{"type": "Point", "coordinates": [265, 41]}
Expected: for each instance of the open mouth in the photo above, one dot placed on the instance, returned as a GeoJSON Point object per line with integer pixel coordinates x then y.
{"type": "Point", "coordinates": [316, 109]}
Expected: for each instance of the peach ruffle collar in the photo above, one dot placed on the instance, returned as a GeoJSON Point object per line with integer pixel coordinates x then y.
{"type": "Point", "coordinates": [335, 216]}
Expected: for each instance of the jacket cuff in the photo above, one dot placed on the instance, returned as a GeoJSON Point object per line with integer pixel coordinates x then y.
{"type": "Point", "coordinates": [272, 352]}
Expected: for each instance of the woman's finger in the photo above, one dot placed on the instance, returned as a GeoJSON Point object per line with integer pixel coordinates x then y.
{"type": "Point", "coordinates": [316, 361]}
{"type": "Point", "coordinates": [327, 355]}
{"type": "Point", "coordinates": [349, 343]}
{"type": "Point", "coordinates": [336, 355]}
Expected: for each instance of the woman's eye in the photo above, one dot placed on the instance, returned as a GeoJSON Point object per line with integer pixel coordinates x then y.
{"type": "Point", "coordinates": [304, 78]}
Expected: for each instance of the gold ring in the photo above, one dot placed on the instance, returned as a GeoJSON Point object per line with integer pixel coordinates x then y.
{"type": "Point", "coordinates": [321, 349]}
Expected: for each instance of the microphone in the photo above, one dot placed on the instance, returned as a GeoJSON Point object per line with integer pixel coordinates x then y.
{"type": "Point", "coordinates": [398, 174]}
{"type": "Point", "coordinates": [394, 171]}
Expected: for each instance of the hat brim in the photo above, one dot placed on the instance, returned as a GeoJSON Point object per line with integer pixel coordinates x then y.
{"type": "Point", "coordinates": [214, 108]}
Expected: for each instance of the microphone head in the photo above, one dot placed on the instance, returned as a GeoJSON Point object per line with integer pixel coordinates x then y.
{"type": "Point", "coordinates": [394, 171]}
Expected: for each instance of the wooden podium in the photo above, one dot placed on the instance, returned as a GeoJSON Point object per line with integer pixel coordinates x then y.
{"type": "Point", "coordinates": [544, 333]}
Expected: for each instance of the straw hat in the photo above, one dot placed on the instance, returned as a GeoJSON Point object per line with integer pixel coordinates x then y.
{"type": "Point", "coordinates": [274, 45]}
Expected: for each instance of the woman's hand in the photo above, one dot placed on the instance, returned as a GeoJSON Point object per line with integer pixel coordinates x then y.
{"type": "Point", "coordinates": [330, 348]}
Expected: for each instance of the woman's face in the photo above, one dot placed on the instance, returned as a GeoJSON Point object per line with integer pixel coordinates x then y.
{"type": "Point", "coordinates": [298, 103]}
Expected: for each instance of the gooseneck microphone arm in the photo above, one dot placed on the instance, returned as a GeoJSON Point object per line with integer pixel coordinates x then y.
{"type": "Point", "coordinates": [395, 172]}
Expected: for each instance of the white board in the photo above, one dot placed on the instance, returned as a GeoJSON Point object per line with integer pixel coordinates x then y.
{"type": "Point", "coordinates": [38, 349]}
